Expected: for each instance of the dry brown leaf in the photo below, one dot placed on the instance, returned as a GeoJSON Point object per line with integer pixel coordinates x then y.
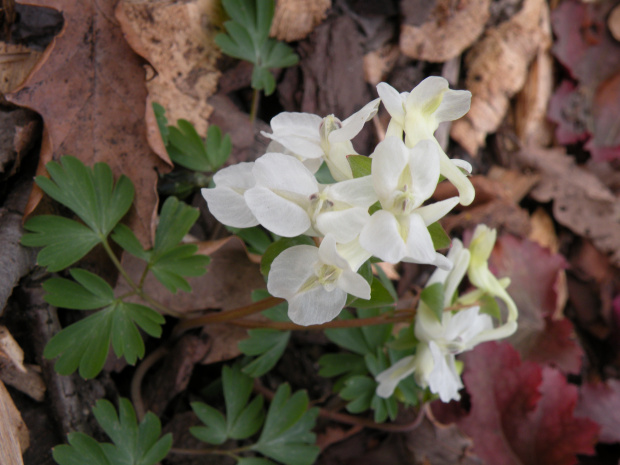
{"type": "Point", "coordinates": [295, 19]}
{"type": "Point", "coordinates": [25, 378]}
{"type": "Point", "coordinates": [530, 111]}
{"type": "Point", "coordinates": [613, 22]}
{"type": "Point", "coordinates": [89, 88]}
{"type": "Point", "coordinates": [17, 61]}
{"type": "Point", "coordinates": [581, 202]}
{"type": "Point", "coordinates": [14, 436]}
{"type": "Point", "coordinates": [435, 40]}
{"type": "Point", "coordinates": [543, 230]}
{"type": "Point", "coordinates": [379, 63]}
{"type": "Point", "coordinates": [496, 70]}
{"type": "Point", "coordinates": [177, 39]}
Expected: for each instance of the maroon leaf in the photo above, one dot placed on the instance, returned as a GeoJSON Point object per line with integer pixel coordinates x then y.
{"type": "Point", "coordinates": [522, 413]}
{"type": "Point", "coordinates": [536, 275]}
{"type": "Point", "coordinates": [600, 402]}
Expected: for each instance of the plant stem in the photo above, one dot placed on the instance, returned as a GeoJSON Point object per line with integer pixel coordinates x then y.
{"type": "Point", "coordinates": [136, 288]}
{"type": "Point", "coordinates": [227, 315]}
{"type": "Point", "coordinates": [254, 107]}
{"type": "Point", "coordinates": [136, 381]}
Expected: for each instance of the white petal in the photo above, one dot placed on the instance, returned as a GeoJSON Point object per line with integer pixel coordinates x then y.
{"type": "Point", "coordinates": [393, 101]}
{"type": "Point", "coordinates": [381, 237]}
{"type": "Point", "coordinates": [433, 212]}
{"type": "Point", "coordinates": [424, 162]}
{"type": "Point", "coordinates": [354, 123]}
{"type": "Point", "coordinates": [329, 255]}
{"type": "Point", "coordinates": [388, 161]}
{"type": "Point", "coordinates": [277, 214]}
{"type": "Point", "coordinates": [237, 176]}
{"type": "Point", "coordinates": [455, 104]}
{"type": "Point", "coordinates": [344, 225]}
{"type": "Point", "coordinates": [353, 253]}
{"type": "Point", "coordinates": [281, 172]}
{"type": "Point", "coordinates": [464, 165]}
{"type": "Point", "coordinates": [316, 306]}
{"type": "Point", "coordinates": [298, 132]}
{"type": "Point", "coordinates": [358, 192]}
{"type": "Point", "coordinates": [389, 379]}
{"type": "Point", "coordinates": [424, 96]}
{"type": "Point", "coordinates": [354, 284]}
{"type": "Point", "coordinates": [444, 380]}
{"type": "Point", "coordinates": [419, 243]}
{"type": "Point", "coordinates": [427, 326]}
{"type": "Point", "coordinates": [337, 162]}
{"type": "Point", "coordinates": [291, 269]}
{"type": "Point", "coordinates": [454, 174]}
{"type": "Point", "coordinates": [229, 207]}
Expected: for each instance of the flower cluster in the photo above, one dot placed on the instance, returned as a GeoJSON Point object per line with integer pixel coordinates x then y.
{"type": "Point", "coordinates": [440, 339]}
{"type": "Point", "coordinates": [384, 214]}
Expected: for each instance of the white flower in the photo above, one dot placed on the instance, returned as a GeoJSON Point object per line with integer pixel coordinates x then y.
{"type": "Point", "coordinates": [309, 136]}
{"type": "Point", "coordinates": [419, 113]}
{"type": "Point", "coordinates": [226, 201]}
{"type": "Point", "coordinates": [315, 282]}
{"type": "Point", "coordinates": [456, 333]}
{"type": "Point", "coordinates": [289, 201]}
{"type": "Point", "coordinates": [404, 179]}
{"type": "Point", "coordinates": [389, 379]}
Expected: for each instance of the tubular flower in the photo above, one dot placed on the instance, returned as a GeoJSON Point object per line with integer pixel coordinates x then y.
{"type": "Point", "coordinates": [315, 282]}
{"type": "Point", "coordinates": [404, 178]}
{"type": "Point", "coordinates": [309, 136]}
{"type": "Point", "coordinates": [419, 112]}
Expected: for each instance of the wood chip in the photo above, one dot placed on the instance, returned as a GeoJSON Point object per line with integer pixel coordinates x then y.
{"type": "Point", "coordinates": [295, 19]}
{"type": "Point", "coordinates": [497, 69]}
{"type": "Point", "coordinates": [14, 436]}
{"type": "Point", "coordinates": [435, 40]}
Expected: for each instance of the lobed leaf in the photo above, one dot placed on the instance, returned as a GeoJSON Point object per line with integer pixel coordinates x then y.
{"type": "Point", "coordinates": [267, 345]}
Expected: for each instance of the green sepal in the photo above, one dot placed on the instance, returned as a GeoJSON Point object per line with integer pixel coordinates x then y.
{"type": "Point", "coordinates": [360, 165]}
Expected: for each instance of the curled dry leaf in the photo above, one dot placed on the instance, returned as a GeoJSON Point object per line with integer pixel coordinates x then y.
{"type": "Point", "coordinates": [177, 39]}
{"type": "Point", "coordinates": [25, 378]}
{"type": "Point", "coordinates": [17, 61]}
{"type": "Point", "coordinates": [581, 202]}
{"type": "Point", "coordinates": [295, 19]}
{"type": "Point", "coordinates": [435, 39]}
{"type": "Point", "coordinates": [497, 69]}
{"type": "Point", "coordinates": [379, 63]}
{"type": "Point", "coordinates": [14, 436]}
{"type": "Point", "coordinates": [89, 88]}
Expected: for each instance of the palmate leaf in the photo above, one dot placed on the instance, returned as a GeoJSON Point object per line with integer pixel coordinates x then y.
{"type": "Point", "coordinates": [287, 434]}
{"type": "Point", "coordinates": [267, 345]}
{"type": "Point", "coordinates": [247, 38]}
{"type": "Point", "coordinates": [362, 340]}
{"type": "Point", "coordinates": [242, 419]}
{"type": "Point", "coordinates": [85, 344]}
{"type": "Point", "coordinates": [133, 444]}
{"type": "Point", "coordinates": [92, 195]}
{"type": "Point", "coordinates": [187, 149]}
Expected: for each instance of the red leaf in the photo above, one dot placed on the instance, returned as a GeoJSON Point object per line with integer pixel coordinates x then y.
{"type": "Point", "coordinates": [600, 402]}
{"type": "Point", "coordinates": [522, 414]}
{"type": "Point", "coordinates": [535, 276]}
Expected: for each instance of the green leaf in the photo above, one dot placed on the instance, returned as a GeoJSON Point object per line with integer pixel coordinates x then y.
{"type": "Point", "coordinates": [379, 297]}
{"type": "Point", "coordinates": [267, 345]}
{"type": "Point", "coordinates": [64, 241]}
{"type": "Point", "coordinates": [89, 192]}
{"type": "Point", "coordinates": [169, 260]}
{"type": "Point", "coordinates": [433, 296]}
{"type": "Point", "coordinates": [215, 430]}
{"type": "Point", "coordinates": [360, 165]}
{"type": "Point", "coordinates": [125, 237]}
{"type": "Point", "coordinates": [343, 365]}
{"type": "Point", "coordinates": [262, 79]}
{"type": "Point", "coordinates": [254, 461]}
{"type": "Point", "coordinates": [360, 340]}
{"type": "Point", "coordinates": [278, 247]}
{"type": "Point", "coordinates": [218, 147]}
{"type": "Point", "coordinates": [287, 435]}
{"type": "Point", "coordinates": [359, 391]}
{"type": "Point", "coordinates": [133, 444]}
{"type": "Point", "coordinates": [277, 54]}
{"type": "Point", "coordinates": [89, 293]}
{"type": "Point", "coordinates": [162, 121]}
{"type": "Point", "coordinates": [82, 449]}
{"type": "Point", "coordinates": [489, 305]}
{"type": "Point", "coordinates": [440, 238]}
{"type": "Point", "coordinates": [256, 238]}
{"type": "Point", "coordinates": [85, 344]}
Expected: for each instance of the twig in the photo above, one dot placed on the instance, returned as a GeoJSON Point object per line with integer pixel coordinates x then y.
{"type": "Point", "coordinates": [138, 376]}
